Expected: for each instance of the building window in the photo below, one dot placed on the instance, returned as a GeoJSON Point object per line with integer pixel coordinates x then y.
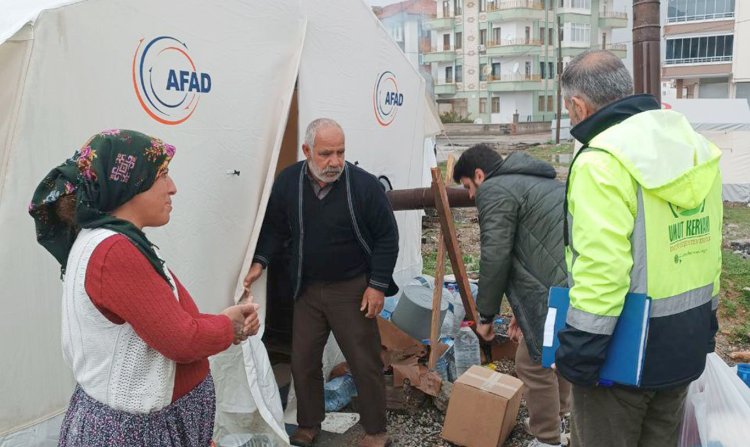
{"type": "Point", "coordinates": [541, 103]}
{"type": "Point", "coordinates": [397, 32]}
{"type": "Point", "coordinates": [551, 70]}
{"type": "Point", "coordinates": [458, 7]}
{"type": "Point", "coordinates": [496, 104]}
{"type": "Point", "coordinates": [542, 70]}
{"type": "Point", "coordinates": [527, 35]}
{"type": "Point", "coordinates": [580, 32]}
{"type": "Point", "coordinates": [482, 37]}
{"type": "Point", "coordinates": [446, 8]}
{"type": "Point", "coordinates": [459, 73]}
{"type": "Point", "coordinates": [459, 40]}
{"type": "Point", "coordinates": [497, 35]}
{"type": "Point", "coordinates": [449, 75]}
{"type": "Point", "coordinates": [482, 105]}
{"type": "Point", "coordinates": [495, 71]}
{"type": "Point", "coordinates": [482, 5]}
{"type": "Point", "coordinates": [542, 34]}
{"type": "Point", "coordinates": [527, 70]}
{"type": "Point", "coordinates": [482, 72]}
{"type": "Point", "coordinates": [552, 39]}
{"type": "Point", "coordinates": [446, 42]}
{"type": "Point", "coordinates": [550, 103]}
{"type": "Point", "coordinates": [692, 10]}
{"type": "Point", "coordinates": [580, 4]}
{"type": "Point", "coordinates": [697, 50]}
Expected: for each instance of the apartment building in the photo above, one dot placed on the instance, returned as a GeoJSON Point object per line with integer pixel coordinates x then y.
{"type": "Point", "coordinates": [405, 21]}
{"type": "Point", "coordinates": [702, 41]}
{"type": "Point", "coordinates": [491, 59]}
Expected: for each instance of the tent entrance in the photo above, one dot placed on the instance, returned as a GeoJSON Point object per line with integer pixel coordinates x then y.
{"type": "Point", "coordinates": [277, 336]}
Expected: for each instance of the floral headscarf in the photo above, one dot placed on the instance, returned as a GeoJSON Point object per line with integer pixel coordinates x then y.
{"type": "Point", "coordinates": [109, 170]}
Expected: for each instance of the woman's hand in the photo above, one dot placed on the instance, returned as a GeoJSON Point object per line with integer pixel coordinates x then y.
{"type": "Point", "coordinates": [245, 321]}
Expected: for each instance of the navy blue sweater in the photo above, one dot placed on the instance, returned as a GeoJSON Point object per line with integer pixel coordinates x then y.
{"type": "Point", "coordinates": [369, 209]}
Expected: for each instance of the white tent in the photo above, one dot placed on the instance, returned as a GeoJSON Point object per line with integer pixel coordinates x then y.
{"type": "Point", "coordinates": [726, 122]}
{"type": "Point", "coordinates": [216, 79]}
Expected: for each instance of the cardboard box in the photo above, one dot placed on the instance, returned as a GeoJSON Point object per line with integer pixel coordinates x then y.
{"type": "Point", "coordinates": [482, 409]}
{"type": "Point", "coordinates": [501, 348]}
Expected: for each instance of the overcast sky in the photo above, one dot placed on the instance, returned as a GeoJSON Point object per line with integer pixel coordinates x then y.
{"type": "Point", "coordinates": [381, 2]}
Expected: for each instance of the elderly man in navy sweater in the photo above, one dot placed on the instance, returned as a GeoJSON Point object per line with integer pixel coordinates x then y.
{"type": "Point", "coordinates": [338, 223]}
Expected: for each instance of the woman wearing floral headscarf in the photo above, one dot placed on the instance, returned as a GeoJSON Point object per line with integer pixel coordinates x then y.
{"type": "Point", "coordinates": [134, 338]}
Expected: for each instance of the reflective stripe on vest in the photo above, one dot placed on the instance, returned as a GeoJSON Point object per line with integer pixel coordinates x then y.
{"type": "Point", "coordinates": [663, 307]}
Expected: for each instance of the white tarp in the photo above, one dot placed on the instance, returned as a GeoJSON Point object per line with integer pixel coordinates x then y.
{"type": "Point", "coordinates": [713, 114]}
{"type": "Point", "coordinates": [66, 79]}
{"type": "Point", "coordinates": [726, 122]}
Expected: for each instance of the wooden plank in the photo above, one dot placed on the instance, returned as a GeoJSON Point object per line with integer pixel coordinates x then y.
{"type": "Point", "coordinates": [437, 293]}
{"type": "Point", "coordinates": [454, 250]}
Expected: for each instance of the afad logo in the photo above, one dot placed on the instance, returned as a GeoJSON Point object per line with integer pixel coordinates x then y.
{"type": "Point", "coordinates": [386, 100]}
{"type": "Point", "coordinates": [166, 81]}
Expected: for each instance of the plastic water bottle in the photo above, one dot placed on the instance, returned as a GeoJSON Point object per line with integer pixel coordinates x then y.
{"type": "Point", "coordinates": [446, 364]}
{"type": "Point", "coordinates": [389, 306]}
{"type": "Point", "coordinates": [338, 392]}
{"type": "Point", "coordinates": [466, 349]}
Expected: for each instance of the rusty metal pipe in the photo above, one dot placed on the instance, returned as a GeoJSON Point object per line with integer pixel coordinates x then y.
{"type": "Point", "coordinates": [646, 47]}
{"type": "Point", "coordinates": [422, 198]}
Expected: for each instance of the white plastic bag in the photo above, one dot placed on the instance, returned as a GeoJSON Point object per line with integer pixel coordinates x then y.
{"type": "Point", "coordinates": [717, 408]}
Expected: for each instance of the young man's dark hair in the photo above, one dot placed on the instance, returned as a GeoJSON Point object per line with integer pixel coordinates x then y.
{"type": "Point", "coordinates": [481, 156]}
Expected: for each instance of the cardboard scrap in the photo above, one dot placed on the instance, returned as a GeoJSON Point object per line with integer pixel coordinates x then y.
{"type": "Point", "coordinates": [402, 353]}
{"type": "Point", "coordinates": [398, 342]}
{"type": "Point", "coordinates": [339, 422]}
{"type": "Point", "coordinates": [740, 356]}
{"type": "Point", "coordinates": [418, 376]}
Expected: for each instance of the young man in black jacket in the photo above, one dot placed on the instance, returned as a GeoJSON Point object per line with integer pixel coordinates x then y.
{"type": "Point", "coordinates": [520, 208]}
{"type": "Point", "coordinates": [343, 238]}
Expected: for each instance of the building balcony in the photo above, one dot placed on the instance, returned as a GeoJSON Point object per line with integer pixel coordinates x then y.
{"type": "Point", "coordinates": [514, 47]}
{"type": "Point", "coordinates": [437, 55]}
{"type": "Point", "coordinates": [440, 23]}
{"type": "Point", "coordinates": [613, 19]}
{"type": "Point", "coordinates": [618, 49]}
{"type": "Point", "coordinates": [697, 67]}
{"type": "Point", "coordinates": [512, 10]}
{"type": "Point", "coordinates": [696, 71]}
{"type": "Point", "coordinates": [445, 89]}
{"type": "Point", "coordinates": [514, 83]}
{"type": "Point", "coordinates": [726, 15]}
{"type": "Point", "coordinates": [569, 50]}
{"type": "Point", "coordinates": [699, 60]}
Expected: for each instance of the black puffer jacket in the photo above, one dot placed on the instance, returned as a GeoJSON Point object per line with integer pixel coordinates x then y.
{"type": "Point", "coordinates": [520, 219]}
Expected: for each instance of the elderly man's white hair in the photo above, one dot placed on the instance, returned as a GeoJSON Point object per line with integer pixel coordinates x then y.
{"type": "Point", "coordinates": [315, 126]}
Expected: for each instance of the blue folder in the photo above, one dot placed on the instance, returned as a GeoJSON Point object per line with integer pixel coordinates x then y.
{"type": "Point", "coordinates": [627, 348]}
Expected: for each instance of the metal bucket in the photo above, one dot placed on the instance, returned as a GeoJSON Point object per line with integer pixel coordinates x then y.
{"type": "Point", "coordinates": [413, 314]}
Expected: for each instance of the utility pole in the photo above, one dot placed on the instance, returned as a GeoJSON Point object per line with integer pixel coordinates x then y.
{"type": "Point", "coordinates": [559, 77]}
{"type": "Point", "coordinates": [548, 75]}
{"type": "Point", "coordinates": [647, 47]}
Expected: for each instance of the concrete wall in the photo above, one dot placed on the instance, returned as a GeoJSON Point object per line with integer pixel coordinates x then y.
{"type": "Point", "coordinates": [511, 103]}
{"type": "Point", "coordinates": [466, 129]}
